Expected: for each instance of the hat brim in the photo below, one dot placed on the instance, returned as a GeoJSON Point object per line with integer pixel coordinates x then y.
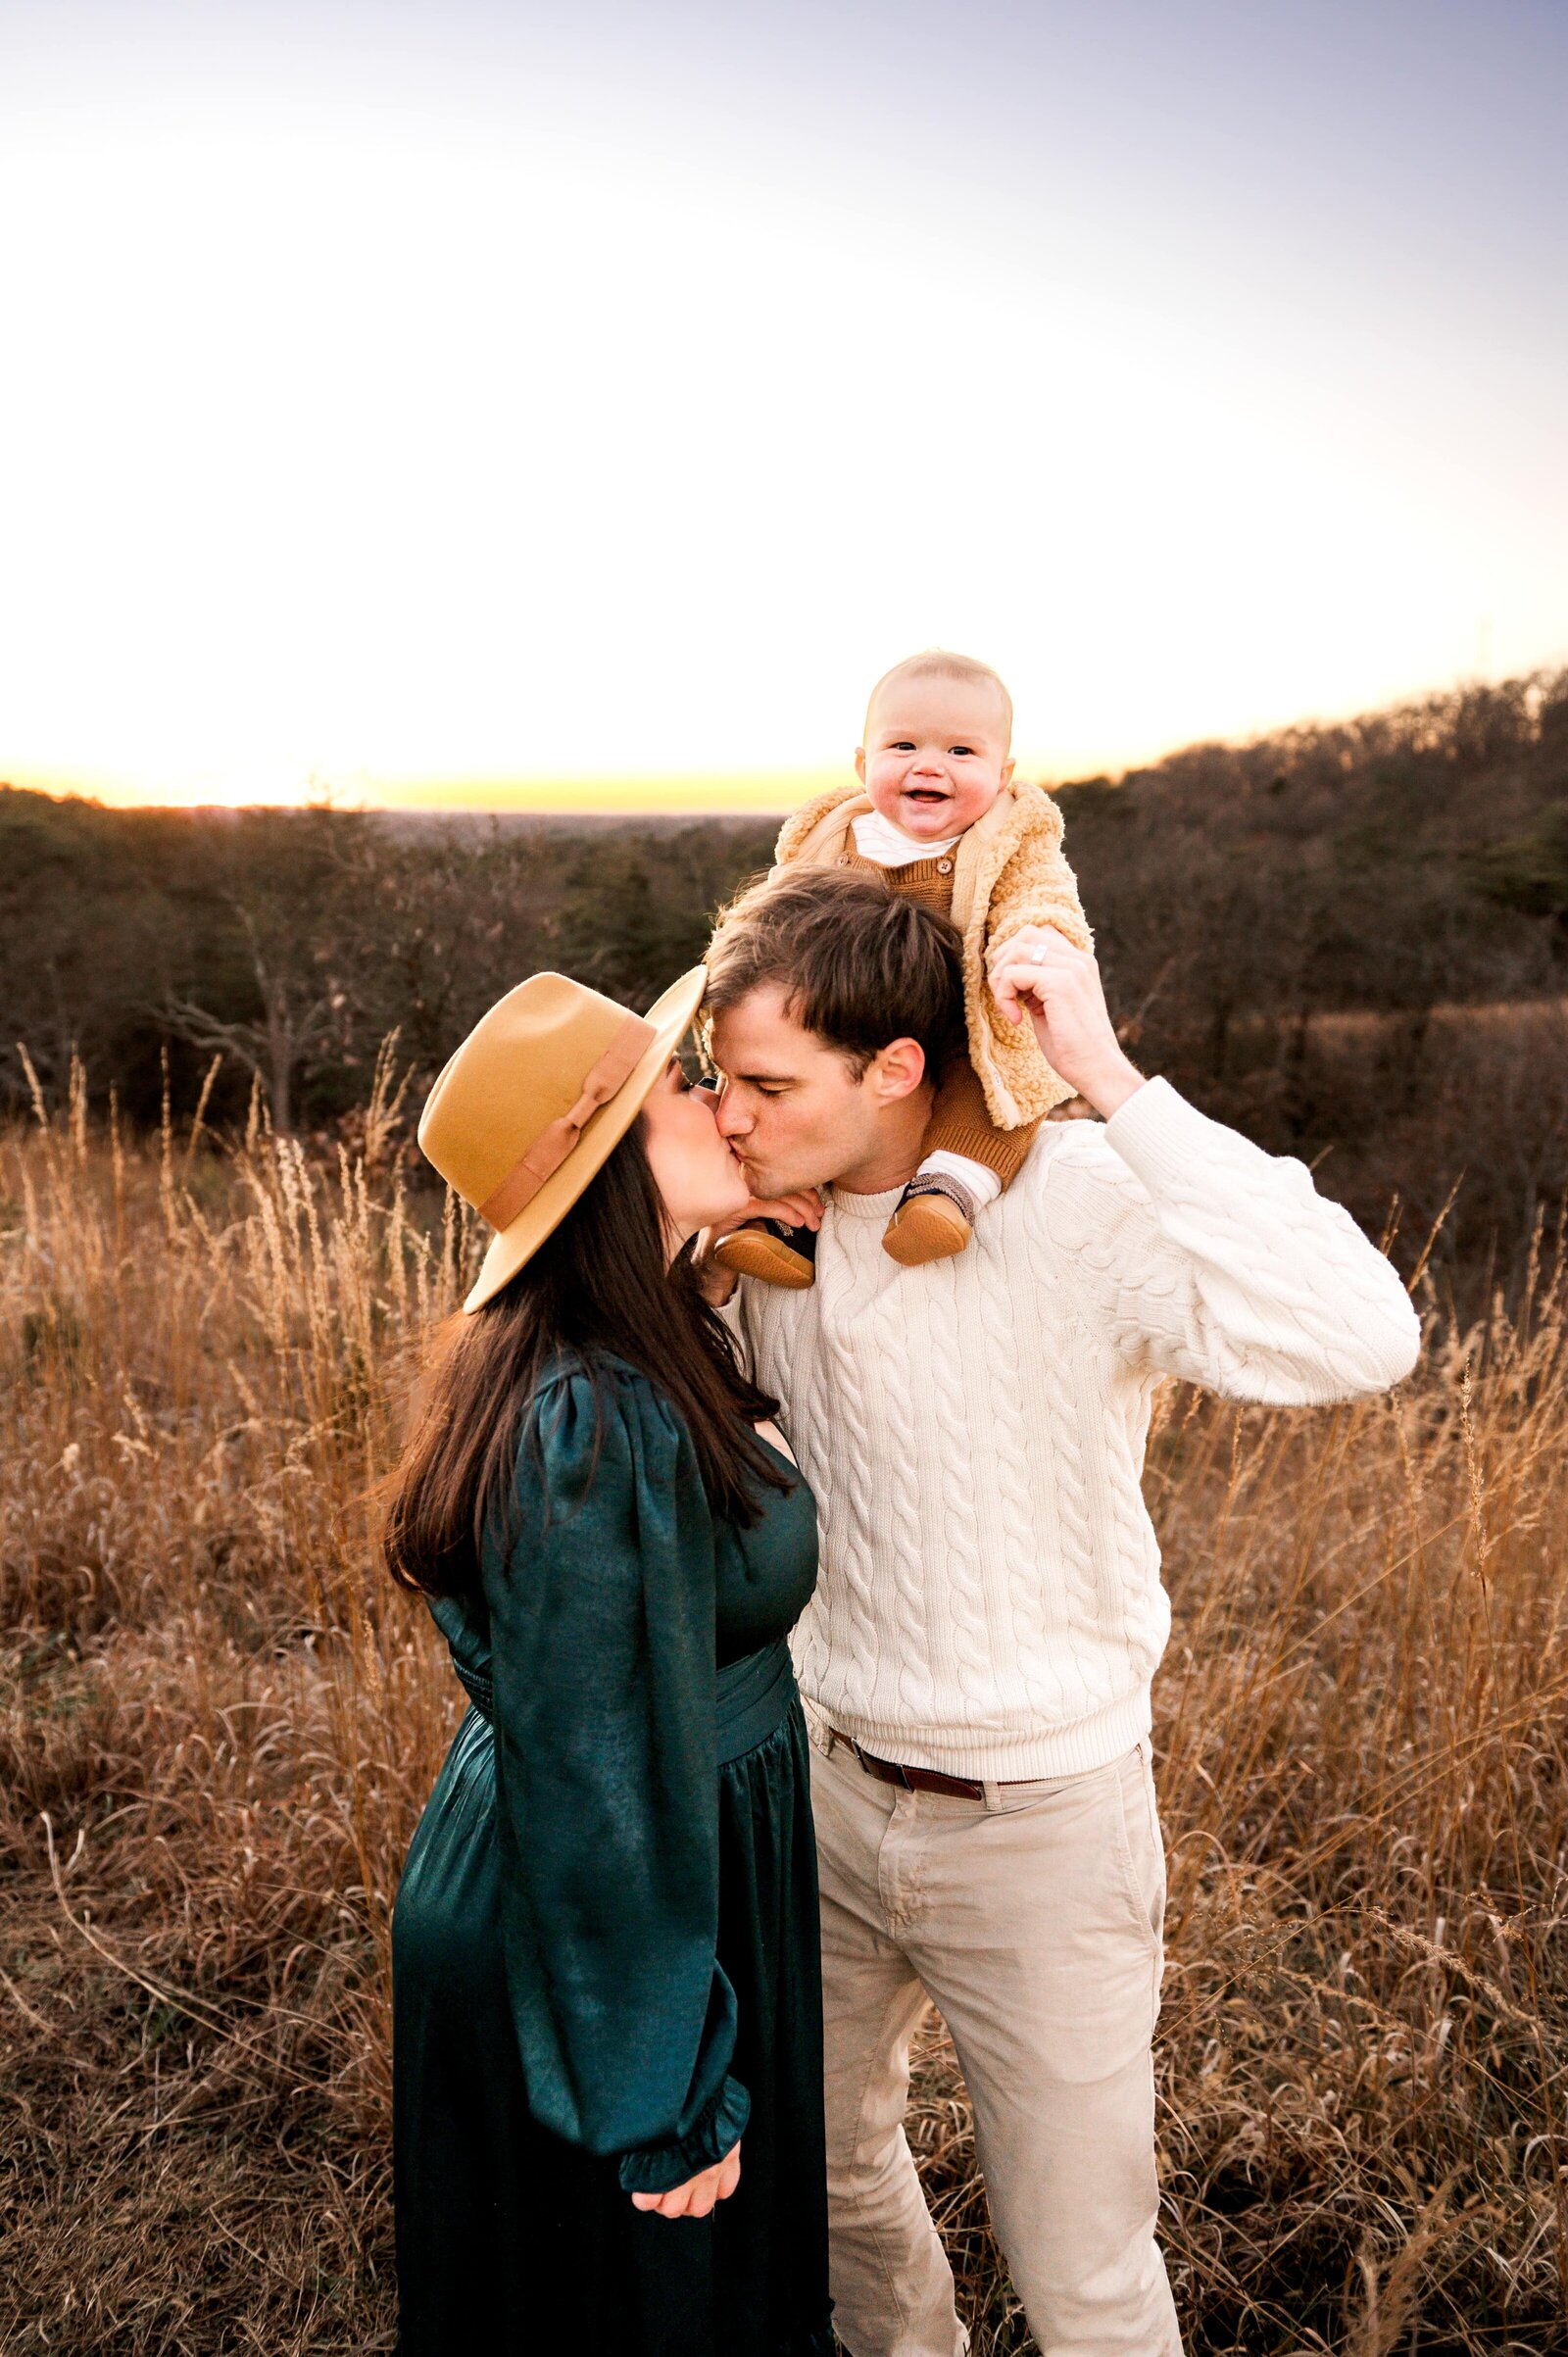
{"type": "Point", "coordinates": [670, 1016]}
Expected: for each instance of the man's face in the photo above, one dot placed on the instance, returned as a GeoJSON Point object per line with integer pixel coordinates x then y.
{"type": "Point", "coordinates": [935, 755]}
{"type": "Point", "coordinates": [792, 1107]}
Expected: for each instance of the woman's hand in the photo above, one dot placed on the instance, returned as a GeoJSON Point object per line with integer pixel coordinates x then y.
{"type": "Point", "coordinates": [697, 2196]}
{"type": "Point", "coordinates": [802, 1209]}
{"type": "Point", "coordinates": [799, 1210]}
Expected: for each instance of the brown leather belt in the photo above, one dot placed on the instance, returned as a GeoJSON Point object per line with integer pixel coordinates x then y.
{"type": "Point", "coordinates": [917, 1780]}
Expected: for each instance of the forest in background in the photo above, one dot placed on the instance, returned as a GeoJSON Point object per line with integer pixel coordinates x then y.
{"type": "Point", "coordinates": [1350, 939]}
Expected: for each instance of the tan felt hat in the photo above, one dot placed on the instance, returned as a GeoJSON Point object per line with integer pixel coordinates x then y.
{"type": "Point", "coordinates": [536, 1100]}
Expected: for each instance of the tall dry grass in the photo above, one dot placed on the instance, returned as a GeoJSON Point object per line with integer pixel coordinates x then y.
{"type": "Point", "coordinates": [219, 1725]}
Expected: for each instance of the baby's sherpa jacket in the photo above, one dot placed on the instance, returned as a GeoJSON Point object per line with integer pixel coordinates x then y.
{"type": "Point", "coordinates": [1008, 870]}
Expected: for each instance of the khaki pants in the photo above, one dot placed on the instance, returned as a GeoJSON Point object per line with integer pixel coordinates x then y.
{"type": "Point", "coordinates": [1032, 1918]}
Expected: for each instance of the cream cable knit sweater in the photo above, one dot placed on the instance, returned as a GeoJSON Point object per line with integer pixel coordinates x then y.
{"type": "Point", "coordinates": [990, 1601]}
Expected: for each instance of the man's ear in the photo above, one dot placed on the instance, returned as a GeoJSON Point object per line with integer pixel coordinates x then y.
{"type": "Point", "coordinates": [859, 762]}
{"type": "Point", "coordinates": [897, 1070]}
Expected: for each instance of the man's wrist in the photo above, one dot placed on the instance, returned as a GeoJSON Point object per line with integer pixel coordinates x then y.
{"type": "Point", "coordinates": [1109, 1086]}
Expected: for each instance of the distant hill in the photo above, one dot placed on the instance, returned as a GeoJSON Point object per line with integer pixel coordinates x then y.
{"type": "Point", "coordinates": [1409, 861]}
{"type": "Point", "coordinates": [1414, 853]}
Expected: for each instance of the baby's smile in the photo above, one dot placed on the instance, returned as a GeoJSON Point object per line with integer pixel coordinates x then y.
{"type": "Point", "coordinates": [925, 812]}
{"type": "Point", "coordinates": [936, 755]}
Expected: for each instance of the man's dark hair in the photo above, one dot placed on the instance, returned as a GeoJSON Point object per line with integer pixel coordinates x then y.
{"type": "Point", "coordinates": [857, 963]}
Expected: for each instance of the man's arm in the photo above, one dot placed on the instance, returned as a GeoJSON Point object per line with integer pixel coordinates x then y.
{"type": "Point", "coordinates": [1208, 1259]}
{"type": "Point", "coordinates": [1212, 1260]}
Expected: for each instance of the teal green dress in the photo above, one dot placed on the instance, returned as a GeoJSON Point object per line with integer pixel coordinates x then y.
{"type": "Point", "coordinates": [605, 1944]}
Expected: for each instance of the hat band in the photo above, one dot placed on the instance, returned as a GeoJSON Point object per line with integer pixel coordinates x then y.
{"type": "Point", "coordinates": [550, 1148]}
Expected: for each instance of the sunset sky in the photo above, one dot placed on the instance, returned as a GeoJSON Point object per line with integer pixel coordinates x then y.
{"type": "Point", "coordinates": [442, 400]}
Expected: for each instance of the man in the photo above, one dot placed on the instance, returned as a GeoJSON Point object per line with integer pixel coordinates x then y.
{"type": "Point", "coordinates": [977, 1660]}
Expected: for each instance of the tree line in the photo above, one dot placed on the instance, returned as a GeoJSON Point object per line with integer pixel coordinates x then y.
{"type": "Point", "coordinates": [1246, 900]}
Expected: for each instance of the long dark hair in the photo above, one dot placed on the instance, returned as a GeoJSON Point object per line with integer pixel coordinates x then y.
{"type": "Point", "coordinates": [598, 1286]}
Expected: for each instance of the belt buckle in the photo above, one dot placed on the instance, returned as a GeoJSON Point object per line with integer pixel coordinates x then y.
{"type": "Point", "coordinates": [887, 1771]}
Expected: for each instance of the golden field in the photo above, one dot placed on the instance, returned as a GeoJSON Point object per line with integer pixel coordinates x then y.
{"type": "Point", "coordinates": [219, 1722]}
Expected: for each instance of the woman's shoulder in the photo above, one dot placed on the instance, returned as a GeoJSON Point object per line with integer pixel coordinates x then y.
{"type": "Point", "coordinates": [580, 1373]}
{"type": "Point", "coordinates": [594, 1400]}
{"type": "Point", "coordinates": [598, 1438]}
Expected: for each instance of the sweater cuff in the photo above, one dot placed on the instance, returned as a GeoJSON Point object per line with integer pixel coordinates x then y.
{"type": "Point", "coordinates": [1159, 1135]}
{"type": "Point", "coordinates": [718, 2129]}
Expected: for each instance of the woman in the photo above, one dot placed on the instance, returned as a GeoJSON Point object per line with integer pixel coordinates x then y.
{"type": "Point", "coordinates": [606, 2006]}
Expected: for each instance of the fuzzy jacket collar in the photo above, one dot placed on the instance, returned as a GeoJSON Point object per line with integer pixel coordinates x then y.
{"type": "Point", "coordinates": [817, 834]}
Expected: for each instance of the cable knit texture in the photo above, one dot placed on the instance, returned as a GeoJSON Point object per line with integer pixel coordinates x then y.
{"type": "Point", "coordinates": [990, 1601]}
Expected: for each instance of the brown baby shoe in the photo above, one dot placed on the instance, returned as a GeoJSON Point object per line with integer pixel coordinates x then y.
{"type": "Point", "coordinates": [934, 1219]}
{"type": "Point", "coordinates": [767, 1249]}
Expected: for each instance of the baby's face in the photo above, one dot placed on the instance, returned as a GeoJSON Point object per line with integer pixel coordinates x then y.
{"type": "Point", "coordinates": [935, 755]}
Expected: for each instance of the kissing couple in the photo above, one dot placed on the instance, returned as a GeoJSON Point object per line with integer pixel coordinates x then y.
{"type": "Point", "coordinates": [777, 1495]}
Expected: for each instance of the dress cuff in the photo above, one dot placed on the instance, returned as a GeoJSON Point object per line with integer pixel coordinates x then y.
{"type": "Point", "coordinates": [720, 2127]}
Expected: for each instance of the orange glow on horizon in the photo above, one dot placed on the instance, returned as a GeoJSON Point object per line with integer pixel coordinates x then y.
{"type": "Point", "coordinates": [765, 792]}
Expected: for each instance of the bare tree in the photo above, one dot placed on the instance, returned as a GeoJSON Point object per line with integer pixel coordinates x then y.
{"type": "Point", "coordinates": [294, 1023]}
{"type": "Point", "coordinates": [294, 879]}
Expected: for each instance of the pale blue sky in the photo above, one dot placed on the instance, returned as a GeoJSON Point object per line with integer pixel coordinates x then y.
{"type": "Point", "coordinates": [405, 393]}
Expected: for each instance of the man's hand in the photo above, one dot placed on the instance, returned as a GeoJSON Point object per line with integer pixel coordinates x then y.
{"type": "Point", "coordinates": [697, 2196]}
{"type": "Point", "coordinates": [1037, 972]}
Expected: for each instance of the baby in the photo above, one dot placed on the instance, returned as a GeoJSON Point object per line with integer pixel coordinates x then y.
{"type": "Point", "coordinates": [942, 819]}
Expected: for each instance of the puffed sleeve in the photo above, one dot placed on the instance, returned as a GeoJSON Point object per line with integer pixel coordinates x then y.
{"type": "Point", "coordinates": [601, 1627]}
